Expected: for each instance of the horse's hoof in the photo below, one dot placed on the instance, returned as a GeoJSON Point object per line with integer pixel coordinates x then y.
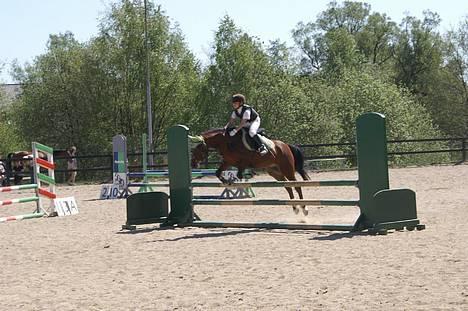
{"type": "Point", "coordinates": [296, 210]}
{"type": "Point", "coordinates": [305, 211]}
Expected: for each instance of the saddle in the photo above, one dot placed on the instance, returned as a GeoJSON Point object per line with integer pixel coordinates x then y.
{"type": "Point", "coordinates": [249, 144]}
{"type": "Point", "coordinates": [248, 141]}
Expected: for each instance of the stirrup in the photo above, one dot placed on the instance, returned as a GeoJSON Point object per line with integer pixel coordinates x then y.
{"type": "Point", "coordinates": [262, 150]}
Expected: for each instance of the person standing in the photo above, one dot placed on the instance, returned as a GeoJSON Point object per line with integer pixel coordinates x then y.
{"type": "Point", "coordinates": [72, 165]}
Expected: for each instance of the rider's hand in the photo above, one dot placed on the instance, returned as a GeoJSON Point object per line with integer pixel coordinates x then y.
{"type": "Point", "coordinates": [232, 132]}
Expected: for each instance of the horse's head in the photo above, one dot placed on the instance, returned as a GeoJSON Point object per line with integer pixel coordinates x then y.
{"type": "Point", "coordinates": [214, 138]}
{"type": "Point", "coordinates": [199, 154]}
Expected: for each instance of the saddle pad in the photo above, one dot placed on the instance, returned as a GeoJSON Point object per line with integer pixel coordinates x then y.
{"type": "Point", "coordinates": [267, 142]}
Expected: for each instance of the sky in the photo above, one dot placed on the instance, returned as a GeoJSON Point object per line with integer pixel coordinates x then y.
{"type": "Point", "coordinates": [26, 24]}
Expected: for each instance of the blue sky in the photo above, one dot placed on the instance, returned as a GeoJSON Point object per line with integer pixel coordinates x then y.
{"type": "Point", "coordinates": [26, 24]}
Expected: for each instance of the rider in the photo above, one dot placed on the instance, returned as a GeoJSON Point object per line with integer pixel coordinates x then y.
{"type": "Point", "coordinates": [249, 119]}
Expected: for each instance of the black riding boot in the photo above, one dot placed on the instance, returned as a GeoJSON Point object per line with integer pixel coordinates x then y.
{"type": "Point", "coordinates": [259, 145]}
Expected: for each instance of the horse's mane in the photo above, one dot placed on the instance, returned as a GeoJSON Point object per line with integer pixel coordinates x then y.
{"type": "Point", "coordinates": [212, 132]}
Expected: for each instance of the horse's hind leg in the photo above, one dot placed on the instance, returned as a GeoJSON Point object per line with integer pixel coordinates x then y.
{"type": "Point", "coordinates": [305, 211]}
{"type": "Point", "coordinates": [289, 174]}
{"type": "Point", "coordinates": [276, 174]}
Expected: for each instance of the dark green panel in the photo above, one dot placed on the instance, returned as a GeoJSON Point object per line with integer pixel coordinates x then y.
{"type": "Point", "coordinates": [147, 208]}
{"type": "Point", "coordinates": [180, 177]}
{"type": "Point", "coordinates": [395, 205]}
{"type": "Point", "coordinates": [371, 141]}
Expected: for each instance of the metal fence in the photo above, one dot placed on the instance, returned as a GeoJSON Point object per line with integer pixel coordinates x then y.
{"type": "Point", "coordinates": [99, 167]}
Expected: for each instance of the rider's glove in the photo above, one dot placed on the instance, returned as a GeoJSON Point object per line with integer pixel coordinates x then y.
{"type": "Point", "coordinates": [232, 132]}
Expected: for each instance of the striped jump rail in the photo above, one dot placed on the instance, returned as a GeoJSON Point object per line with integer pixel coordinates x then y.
{"type": "Point", "coordinates": [21, 217]}
{"type": "Point", "coordinates": [141, 184]}
{"type": "Point", "coordinates": [166, 174]}
{"type": "Point", "coordinates": [272, 184]}
{"type": "Point", "coordinates": [41, 191]}
{"type": "Point", "coordinates": [277, 202]}
{"type": "Point", "coordinates": [205, 170]}
{"type": "Point", "coordinates": [263, 184]}
{"type": "Point", "coordinates": [16, 188]}
{"type": "Point", "coordinates": [22, 200]}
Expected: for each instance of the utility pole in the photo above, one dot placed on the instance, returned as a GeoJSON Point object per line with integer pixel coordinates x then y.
{"type": "Point", "coordinates": [149, 114]}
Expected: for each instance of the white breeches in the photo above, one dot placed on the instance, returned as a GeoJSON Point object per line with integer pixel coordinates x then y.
{"type": "Point", "coordinates": [254, 127]}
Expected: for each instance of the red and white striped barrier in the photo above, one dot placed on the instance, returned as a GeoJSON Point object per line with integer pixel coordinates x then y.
{"type": "Point", "coordinates": [44, 187]}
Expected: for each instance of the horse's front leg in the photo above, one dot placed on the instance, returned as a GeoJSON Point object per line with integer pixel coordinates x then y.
{"type": "Point", "coordinates": [219, 172]}
{"type": "Point", "coordinates": [240, 173]}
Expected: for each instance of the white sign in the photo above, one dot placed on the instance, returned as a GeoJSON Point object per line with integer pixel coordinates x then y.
{"type": "Point", "coordinates": [230, 175]}
{"type": "Point", "coordinates": [120, 179]}
{"type": "Point", "coordinates": [66, 206]}
{"type": "Point", "coordinates": [109, 192]}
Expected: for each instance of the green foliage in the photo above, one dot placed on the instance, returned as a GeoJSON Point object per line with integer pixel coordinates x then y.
{"type": "Point", "coordinates": [361, 92]}
{"type": "Point", "coordinates": [239, 65]}
{"type": "Point", "coordinates": [418, 52]}
{"type": "Point", "coordinates": [91, 92]}
{"type": "Point", "coordinates": [11, 140]}
{"type": "Point", "coordinates": [59, 104]}
{"type": "Point", "coordinates": [349, 37]}
{"type": "Point", "coordinates": [451, 88]}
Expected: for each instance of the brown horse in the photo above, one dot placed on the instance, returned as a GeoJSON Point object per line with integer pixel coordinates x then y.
{"type": "Point", "coordinates": [21, 161]}
{"type": "Point", "coordinates": [281, 162]}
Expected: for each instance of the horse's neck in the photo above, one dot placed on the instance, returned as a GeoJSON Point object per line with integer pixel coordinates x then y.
{"type": "Point", "coordinates": [215, 142]}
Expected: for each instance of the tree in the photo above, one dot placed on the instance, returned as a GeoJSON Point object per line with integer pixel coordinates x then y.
{"type": "Point", "coordinates": [454, 117]}
{"type": "Point", "coordinates": [92, 91]}
{"type": "Point", "coordinates": [418, 51]}
{"type": "Point", "coordinates": [345, 35]}
{"type": "Point", "coordinates": [56, 106]}
{"type": "Point", "coordinates": [174, 71]}
{"type": "Point", "coordinates": [242, 64]}
{"type": "Point", "coordinates": [376, 40]}
{"type": "Point", "coordinates": [238, 65]}
{"type": "Point", "coordinates": [360, 92]}
{"type": "Point", "coordinates": [10, 140]}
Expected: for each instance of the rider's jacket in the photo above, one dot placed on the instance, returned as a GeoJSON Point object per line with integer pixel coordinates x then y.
{"type": "Point", "coordinates": [253, 113]}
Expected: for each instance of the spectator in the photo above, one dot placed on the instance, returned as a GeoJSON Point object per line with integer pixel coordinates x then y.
{"type": "Point", "coordinates": [72, 165]}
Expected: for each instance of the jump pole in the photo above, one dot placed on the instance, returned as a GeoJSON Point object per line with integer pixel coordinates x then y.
{"type": "Point", "coordinates": [380, 207]}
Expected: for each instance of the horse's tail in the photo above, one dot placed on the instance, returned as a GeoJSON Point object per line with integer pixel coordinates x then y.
{"type": "Point", "coordinates": [299, 161]}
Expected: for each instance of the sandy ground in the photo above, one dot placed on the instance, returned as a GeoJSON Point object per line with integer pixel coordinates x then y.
{"type": "Point", "coordinates": [84, 262]}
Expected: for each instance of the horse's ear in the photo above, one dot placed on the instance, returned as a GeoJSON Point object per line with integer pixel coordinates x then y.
{"type": "Point", "coordinates": [196, 139]}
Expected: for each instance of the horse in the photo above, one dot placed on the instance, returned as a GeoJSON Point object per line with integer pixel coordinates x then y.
{"type": "Point", "coordinates": [281, 162]}
{"type": "Point", "coordinates": [18, 161]}
{"type": "Point", "coordinates": [16, 164]}
{"type": "Point", "coordinates": [3, 176]}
